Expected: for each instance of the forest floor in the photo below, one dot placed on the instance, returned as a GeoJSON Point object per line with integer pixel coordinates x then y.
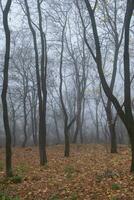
{"type": "Point", "coordinates": [90, 173]}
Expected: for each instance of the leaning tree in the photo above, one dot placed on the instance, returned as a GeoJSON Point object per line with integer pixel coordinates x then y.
{"type": "Point", "coordinates": [125, 113]}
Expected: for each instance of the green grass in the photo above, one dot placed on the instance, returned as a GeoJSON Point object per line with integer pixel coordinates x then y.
{"type": "Point", "coordinates": [5, 197]}
{"type": "Point", "coordinates": [54, 197]}
{"type": "Point", "coordinates": [115, 186]}
{"type": "Point", "coordinates": [16, 179]}
{"type": "Point", "coordinates": [22, 169]}
{"type": "Point", "coordinates": [69, 171]}
{"type": "Point", "coordinates": [1, 165]}
{"type": "Point", "coordinates": [74, 196]}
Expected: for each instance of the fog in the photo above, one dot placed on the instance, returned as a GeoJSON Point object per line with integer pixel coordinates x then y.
{"type": "Point", "coordinates": [82, 92]}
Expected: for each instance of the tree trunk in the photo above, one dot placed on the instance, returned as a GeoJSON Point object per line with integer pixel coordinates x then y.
{"type": "Point", "coordinates": [25, 125]}
{"type": "Point", "coordinates": [67, 142]}
{"type": "Point", "coordinates": [132, 161]}
{"type": "Point", "coordinates": [78, 118]}
{"type": "Point", "coordinates": [33, 106]}
{"type": "Point", "coordinates": [82, 121]}
{"type": "Point", "coordinates": [42, 142]}
{"type": "Point", "coordinates": [14, 129]}
{"type": "Point", "coordinates": [4, 91]}
{"type": "Point", "coordinates": [56, 127]}
{"type": "Point", "coordinates": [42, 132]}
{"type": "Point", "coordinates": [112, 131]}
{"type": "Point", "coordinates": [97, 123]}
{"type": "Point", "coordinates": [113, 138]}
{"type": "Point", "coordinates": [130, 130]}
{"type": "Point", "coordinates": [32, 123]}
{"type": "Point", "coordinates": [35, 124]}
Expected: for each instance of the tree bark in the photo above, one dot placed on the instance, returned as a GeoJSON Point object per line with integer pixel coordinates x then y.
{"type": "Point", "coordinates": [132, 150]}
{"type": "Point", "coordinates": [82, 121]}
{"type": "Point", "coordinates": [42, 132]}
{"type": "Point", "coordinates": [4, 90]}
{"type": "Point", "coordinates": [78, 119]}
{"type": "Point", "coordinates": [25, 122]}
{"type": "Point", "coordinates": [127, 81]}
{"type": "Point", "coordinates": [113, 138]}
{"type": "Point", "coordinates": [56, 127]}
{"type": "Point", "coordinates": [14, 129]}
{"type": "Point", "coordinates": [67, 142]}
{"type": "Point", "coordinates": [111, 125]}
{"type": "Point", "coordinates": [97, 123]}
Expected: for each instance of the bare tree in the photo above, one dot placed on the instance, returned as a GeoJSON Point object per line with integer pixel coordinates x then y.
{"type": "Point", "coordinates": [32, 97]}
{"type": "Point", "coordinates": [13, 118]}
{"type": "Point", "coordinates": [42, 132]}
{"type": "Point", "coordinates": [126, 114]}
{"type": "Point", "coordinates": [67, 125]}
{"type": "Point", "coordinates": [41, 79]}
{"type": "Point", "coordinates": [117, 41]}
{"type": "Point", "coordinates": [5, 88]}
{"type": "Point", "coordinates": [80, 84]}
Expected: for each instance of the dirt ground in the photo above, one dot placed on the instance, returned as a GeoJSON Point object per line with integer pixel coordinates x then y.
{"type": "Point", "coordinates": [90, 173]}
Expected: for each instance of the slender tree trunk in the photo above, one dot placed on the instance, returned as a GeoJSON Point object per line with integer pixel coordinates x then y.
{"type": "Point", "coordinates": [67, 142]}
{"type": "Point", "coordinates": [113, 138]}
{"type": "Point", "coordinates": [33, 105]}
{"type": "Point", "coordinates": [112, 131]}
{"type": "Point", "coordinates": [14, 129]}
{"type": "Point", "coordinates": [4, 91]}
{"type": "Point", "coordinates": [35, 122]}
{"type": "Point", "coordinates": [66, 128]}
{"type": "Point", "coordinates": [42, 142]}
{"type": "Point", "coordinates": [82, 121]}
{"type": "Point", "coordinates": [78, 118]}
{"type": "Point", "coordinates": [41, 80]}
{"type": "Point", "coordinates": [42, 132]}
{"type": "Point", "coordinates": [77, 130]}
{"type": "Point", "coordinates": [33, 126]}
{"type": "Point", "coordinates": [32, 121]}
{"type": "Point", "coordinates": [130, 131]}
{"type": "Point", "coordinates": [97, 124]}
{"type": "Point", "coordinates": [132, 161]}
{"type": "Point", "coordinates": [81, 131]}
{"type": "Point", "coordinates": [25, 124]}
{"type": "Point", "coordinates": [56, 127]}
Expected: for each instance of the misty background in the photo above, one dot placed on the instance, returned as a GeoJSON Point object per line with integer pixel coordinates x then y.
{"type": "Point", "coordinates": [82, 92]}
